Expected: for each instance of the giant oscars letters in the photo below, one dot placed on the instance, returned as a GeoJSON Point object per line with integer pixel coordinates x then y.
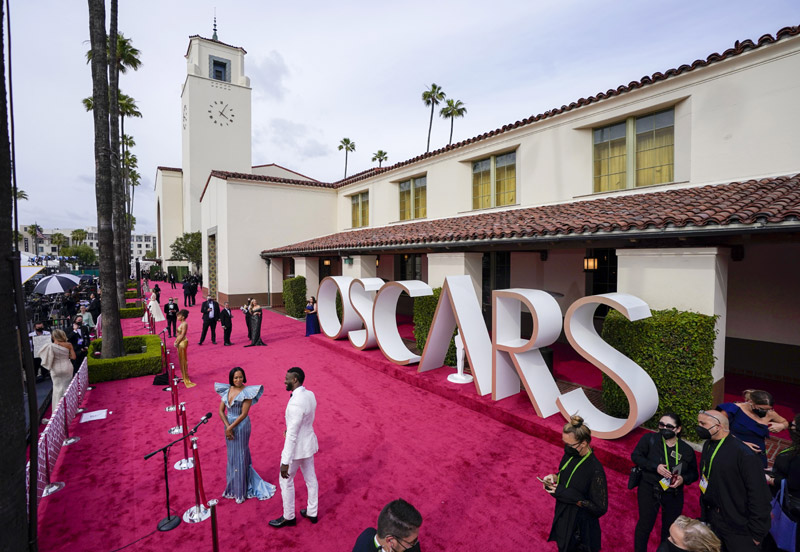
{"type": "Point", "coordinates": [501, 362]}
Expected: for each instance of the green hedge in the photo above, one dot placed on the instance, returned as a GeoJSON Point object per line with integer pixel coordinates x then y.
{"type": "Point", "coordinates": [133, 364]}
{"type": "Point", "coordinates": [424, 309]}
{"type": "Point", "coordinates": [131, 295]}
{"type": "Point", "coordinates": [131, 312]}
{"type": "Point", "coordinates": [294, 296]}
{"type": "Point", "coordinates": [676, 349]}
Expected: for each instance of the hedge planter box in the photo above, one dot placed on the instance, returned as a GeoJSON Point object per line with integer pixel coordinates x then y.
{"type": "Point", "coordinates": [132, 312]}
{"type": "Point", "coordinates": [131, 294]}
{"type": "Point", "coordinates": [676, 349]}
{"type": "Point", "coordinates": [135, 363]}
{"type": "Point", "coordinates": [294, 296]}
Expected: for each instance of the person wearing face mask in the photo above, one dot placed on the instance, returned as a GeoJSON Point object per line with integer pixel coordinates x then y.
{"type": "Point", "coordinates": [734, 499]}
{"type": "Point", "coordinates": [580, 491]}
{"type": "Point", "coordinates": [753, 420]}
{"type": "Point", "coordinates": [398, 530]}
{"type": "Point", "coordinates": [668, 465]}
{"type": "Point", "coordinates": [690, 535]}
{"type": "Point", "coordinates": [171, 314]}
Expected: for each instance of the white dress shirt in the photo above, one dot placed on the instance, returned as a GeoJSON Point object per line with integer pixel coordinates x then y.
{"type": "Point", "coordinates": [301, 441]}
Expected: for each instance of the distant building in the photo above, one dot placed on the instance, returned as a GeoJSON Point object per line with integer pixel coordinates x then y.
{"type": "Point", "coordinates": [140, 243]}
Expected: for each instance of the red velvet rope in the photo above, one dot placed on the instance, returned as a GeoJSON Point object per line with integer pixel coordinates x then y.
{"type": "Point", "coordinates": [200, 494]}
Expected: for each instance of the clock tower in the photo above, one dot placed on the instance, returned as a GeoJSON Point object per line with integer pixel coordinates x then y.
{"type": "Point", "coordinates": [216, 115]}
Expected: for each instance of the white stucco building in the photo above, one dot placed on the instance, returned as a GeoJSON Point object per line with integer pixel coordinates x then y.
{"type": "Point", "coordinates": [681, 188]}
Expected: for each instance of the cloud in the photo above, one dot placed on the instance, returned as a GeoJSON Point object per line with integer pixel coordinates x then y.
{"type": "Point", "coordinates": [295, 137]}
{"type": "Point", "coordinates": [267, 75]}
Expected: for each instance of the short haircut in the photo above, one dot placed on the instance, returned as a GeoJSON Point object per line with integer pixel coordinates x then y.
{"type": "Point", "coordinates": [399, 519]}
{"type": "Point", "coordinates": [581, 431]}
{"type": "Point", "coordinates": [697, 536]}
{"type": "Point", "coordinates": [298, 372]}
{"type": "Point", "coordinates": [233, 372]}
{"type": "Point", "coordinates": [184, 313]}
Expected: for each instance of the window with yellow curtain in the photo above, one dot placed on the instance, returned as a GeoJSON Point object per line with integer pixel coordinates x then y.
{"type": "Point", "coordinates": [506, 179]}
{"type": "Point", "coordinates": [405, 200]}
{"type": "Point", "coordinates": [413, 200]}
{"type": "Point", "coordinates": [482, 184]}
{"type": "Point", "coordinates": [360, 209]}
{"type": "Point", "coordinates": [655, 148]}
{"type": "Point", "coordinates": [639, 151]}
{"type": "Point", "coordinates": [610, 158]}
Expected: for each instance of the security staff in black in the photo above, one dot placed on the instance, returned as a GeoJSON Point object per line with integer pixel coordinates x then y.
{"type": "Point", "coordinates": [668, 464]}
{"type": "Point", "coordinates": [735, 498]}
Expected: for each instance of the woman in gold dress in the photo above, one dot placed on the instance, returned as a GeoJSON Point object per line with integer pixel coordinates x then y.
{"type": "Point", "coordinates": [182, 344]}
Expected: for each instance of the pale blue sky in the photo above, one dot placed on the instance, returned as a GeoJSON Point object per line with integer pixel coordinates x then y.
{"type": "Point", "coordinates": [322, 71]}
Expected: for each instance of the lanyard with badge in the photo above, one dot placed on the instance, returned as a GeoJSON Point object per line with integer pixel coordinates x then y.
{"type": "Point", "coordinates": [578, 465]}
{"type": "Point", "coordinates": [665, 481]}
{"type": "Point", "coordinates": [704, 477]}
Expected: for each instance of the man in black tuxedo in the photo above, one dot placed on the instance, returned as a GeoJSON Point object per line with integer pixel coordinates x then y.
{"type": "Point", "coordinates": [193, 289]}
{"type": "Point", "coordinates": [171, 313]}
{"type": "Point", "coordinates": [187, 293]}
{"type": "Point", "coordinates": [210, 310]}
{"type": "Point", "coordinates": [226, 319]}
{"type": "Point", "coordinates": [94, 307]}
{"type": "Point", "coordinates": [78, 335]}
{"type": "Point", "coordinates": [172, 279]}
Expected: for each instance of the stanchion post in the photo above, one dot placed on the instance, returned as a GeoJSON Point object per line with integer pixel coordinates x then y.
{"type": "Point", "coordinates": [178, 428]}
{"type": "Point", "coordinates": [198, 512]}
{"type": "Point", "coordinates": [186, 463]}
{"type": "Point", "coordinates": [67, 439]}
{"type": "Point", "coordinates": [214, 532]}
{"type": "Point", "coordinates": [49, 488]}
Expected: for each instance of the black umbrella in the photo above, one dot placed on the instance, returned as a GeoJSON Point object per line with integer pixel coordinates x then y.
{"type": "Point", "coordinates": [57, 283]}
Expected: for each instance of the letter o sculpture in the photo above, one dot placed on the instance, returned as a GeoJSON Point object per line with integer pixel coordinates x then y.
{"type": "Point", "coordinates": [326, 307]}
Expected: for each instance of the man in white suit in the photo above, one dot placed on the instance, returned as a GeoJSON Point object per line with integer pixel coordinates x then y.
{"type": "Point", "coordinates": [298, 449]}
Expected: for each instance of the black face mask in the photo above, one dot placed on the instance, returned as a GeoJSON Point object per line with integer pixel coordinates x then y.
{"type": "Point", "coordinates": [758, 412]}
{"type": "Point", "coordinates": [414, 548]}
{"type": "Point", "coordinates": [703, 433]}
{"type": "Point", "coordinates": [570, 451]}
{"type": "Point", "coordinates": [667, 433]}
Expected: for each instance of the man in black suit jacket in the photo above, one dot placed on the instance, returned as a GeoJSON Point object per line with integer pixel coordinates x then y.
{"type": "Point", "coordinates": [94, 307]}
{"type": "Point", "coordinates": [78, 335]}
{"type": "Point", "coordinates": [210, 310]}
{"type": "Point", "coordinates": [398, 529]}
{"type": "Point", "coordinates": [172, 279]}
{"type": "Point", "coordinates": [226, 319]}
{"type": "Point", "coordinates": [171, 313]}
{"type": "Point", "coordinates": [187, 292]}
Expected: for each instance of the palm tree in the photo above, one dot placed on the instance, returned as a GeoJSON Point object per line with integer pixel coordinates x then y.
{"type": "Point", "coordinates": [78, 236]}
{"type": "Point", "coordinates": [347, 146]}
{"type": "Point", "coordinates": [432, 97]}
{"type": "Point", "coordinates": [59, 240]}
{"type": "Point", "coordinates": [380, 156]}
{"type": "Point", "coordinates": [128, 57]}
{"type": "Point", "coordinates": [453, 109]}
{"type": "Point", "coordinates": [112, 330]}
{"type": "Point", "coordinates": [34, 230]}
{"type": "Point", "coordinates": [21, 194]}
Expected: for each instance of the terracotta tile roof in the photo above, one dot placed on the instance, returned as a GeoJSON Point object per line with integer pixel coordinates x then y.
{"type": "Point", "coordinates": [738, 48]}
{"type": "Point", "coordinates": [285, 169]}
{"type": "Point", "coordinates": [173, 169]}
{"type": "Point", "coordinates": [225, 175]}
{"type": "Point", "coordinates": [767, 201]}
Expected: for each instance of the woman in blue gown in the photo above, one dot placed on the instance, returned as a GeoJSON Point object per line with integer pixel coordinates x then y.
{"type": "Point", "coordinates": [243, 481]}
{"type": "Point", "coordinates": [312, 320]}
{"type": "Point", "coordinates": [753, 420]}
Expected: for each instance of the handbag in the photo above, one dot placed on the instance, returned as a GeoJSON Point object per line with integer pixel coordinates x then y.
{"type": "Point", "coordinates": [784, 529]}
{"type": "Point", "coordinates": [635, 477]}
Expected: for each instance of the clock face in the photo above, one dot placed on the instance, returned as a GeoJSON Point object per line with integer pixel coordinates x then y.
{"type": "Point", "coordinates": [221, 113]}
{"type": "Point", "coordinates": [185, 115]}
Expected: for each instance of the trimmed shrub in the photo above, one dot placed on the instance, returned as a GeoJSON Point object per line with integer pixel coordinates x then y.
{"type": "Point", "coordinates": [131, 312]}
{"type": "Point", "coordinates": [676, 349]}
{"type": "Point", "coordinates": [294, 296]}
{"type": "Point", "coordinates": [424, 309]}
{"type": "Point", "coordinates": [135, 363]}
{"type": "Point", "coordinates": [131, 294]}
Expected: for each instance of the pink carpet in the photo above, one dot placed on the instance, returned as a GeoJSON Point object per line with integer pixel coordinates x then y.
{"type": "Point", "coordinates": [468, 464]}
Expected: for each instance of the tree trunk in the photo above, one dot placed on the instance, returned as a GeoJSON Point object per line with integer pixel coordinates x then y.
{"type": "Point", "coordinates": [430, 127]}
{"type": "Point", "coordinates": [345, 162]}
{"type": "Point", "coordinates": [112, 330]}
{"type": "Point", "coordinates": [452, 120]}
{"type": "Point", "coordinates": [117, 191]}
{"type": "Point", "coordinates": [14, 535]}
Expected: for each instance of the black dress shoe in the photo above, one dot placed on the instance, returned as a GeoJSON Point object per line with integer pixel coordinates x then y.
{"type": "Point", "coordinates": [312, 519]}
{"type": "Point", "coordinates": [282, 522]}
{"type": "Point", "coordinates": [200, 343]}
{"type": "Point", "coordinates": [213, 342]}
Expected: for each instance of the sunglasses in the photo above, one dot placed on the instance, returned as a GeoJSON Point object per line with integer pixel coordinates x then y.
{"type": "Point", "coordinates": [666, 426]}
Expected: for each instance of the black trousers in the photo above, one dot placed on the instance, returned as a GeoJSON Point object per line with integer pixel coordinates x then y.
{"type": "Point", "coordinates": [192, 298]}
{"type": "Point", "coordinates": [228, 330]}
{"type": "Point", "coordinates": [171, 323]}
{"type": "Point", "coordinates": [731, 542]}
{"type": "Point", "coordinates": [212, 323]}
{"type": "Point", "coordinates": [172, 284]}
{"type": "Point", "coordinates": [187, 300]}
{"type": "Point", "coordinates": [651, 498]}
